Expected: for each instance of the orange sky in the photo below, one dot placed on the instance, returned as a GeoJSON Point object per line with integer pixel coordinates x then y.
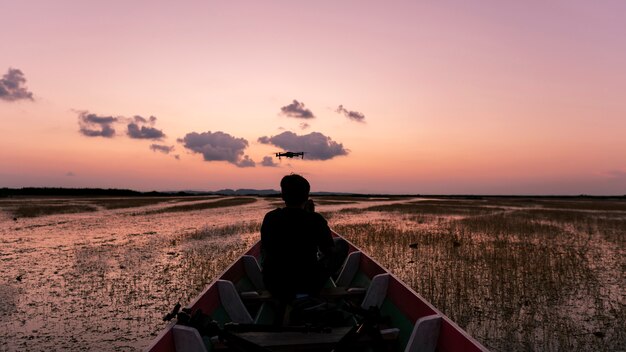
{"type": "Point", "coordinates": [446, 96]}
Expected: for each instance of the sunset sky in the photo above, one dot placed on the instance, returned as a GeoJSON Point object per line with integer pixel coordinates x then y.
{"type": "Point", "coordinates": [428, 97]}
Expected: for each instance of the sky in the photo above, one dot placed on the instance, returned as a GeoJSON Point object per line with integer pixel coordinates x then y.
{"type": "Point", "coordinates": [419, 97]}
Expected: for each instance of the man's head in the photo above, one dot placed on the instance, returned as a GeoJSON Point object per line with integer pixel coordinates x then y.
{"type": "Point", "coordinates": [295, 190]}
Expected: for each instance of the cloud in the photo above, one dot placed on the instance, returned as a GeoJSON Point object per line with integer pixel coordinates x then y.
{"type": "Point", "coordinates": [316, 145]}
{"type": "Point", "coordinates": [143, 132]}
{"type": "Point", "coordinates": [304, 125]}
{"type": "Point", "coordinates": [352, 115]}
{"type": "Point", "coordinates": [297, 110]}
{"type": "Point", "coordinates": [218, 146]}
{"type": "Point", "coordinates": [70, 174]}
{"type": "Point", "coordinates": [139, 130]}
{"type": "Point", "coordinates": [161, 148]}
{"type": "Point", "coordinates": [11, 86]}
{"type": "Point", "coordinates": [246, 162]}
{"type": "Point", "coordinates": [139, 119]}
{"type": "Point", "coordinates": [92, 125]}
{"type": "Point", "coordinates": [268, 161]}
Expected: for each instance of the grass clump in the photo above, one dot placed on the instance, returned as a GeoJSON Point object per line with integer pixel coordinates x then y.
{"type": "Point", "coordinates": [224, 231]}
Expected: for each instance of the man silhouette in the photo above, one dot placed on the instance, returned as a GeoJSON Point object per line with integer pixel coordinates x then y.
{"type": "Point", "coordinates": [290, 240]}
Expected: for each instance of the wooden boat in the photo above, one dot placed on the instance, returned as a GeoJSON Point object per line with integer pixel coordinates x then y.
{"type": "Point", "coordinates": [238, 296]}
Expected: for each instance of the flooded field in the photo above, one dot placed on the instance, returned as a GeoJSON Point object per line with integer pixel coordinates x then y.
{"type": "Point", "coordinates": [517, 274]}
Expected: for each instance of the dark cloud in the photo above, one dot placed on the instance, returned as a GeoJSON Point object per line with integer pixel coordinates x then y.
{"type": "Point", "coordinates": [246, 162]}
{"type": "Point", "coordinates": [316, 145]}
{"type": "Point", "coordinates": [12, 86]}
{"type": "Point", "coordinates": [304, 125]}
{"type": "Point", "coordinates": [162, 148]}
{"type": "Point", "coordinates": [352, 115]}
{"type": "Point", "coordinates": [139, 119]}
{"type": "Point", "coordinates": [219, 146]}
{"type": "Point", "coordinates": [139, 130]}
{"type": "Point", "coordinates": [268, 161]}
{"type": "Point", "coordinates": [143, 132]}
{"type": "Point", "coordinates": [297, 110]}
{"type": "Point", "coordinates": [92, 125]}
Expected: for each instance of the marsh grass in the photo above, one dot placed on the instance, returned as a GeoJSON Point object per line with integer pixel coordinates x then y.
{"type": "Point", "coordinates": [596, 205]}
{"type": "Point", "coordinates": [35, 210]}
{"type": "Point", "coordinates": [434, 207]}
{"type": "Point", "coordinates": [223, 231]}
{"type": "Point", "coordinates": [134, 283]}
{"type": "Point", "coordinates": [35, 207]}
{"type": "Point", "coordinates": [122, 203]}
{"type": "Point", "coordinates": [227, 202]}
{"type": "Point", "coordinates": [515, 278]}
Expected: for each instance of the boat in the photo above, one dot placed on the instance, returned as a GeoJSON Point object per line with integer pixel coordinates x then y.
{"type": "Point", "coordinates": [239, 315]}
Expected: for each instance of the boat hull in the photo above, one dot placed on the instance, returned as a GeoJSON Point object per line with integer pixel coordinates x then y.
{"type": "Point", "coordinates": [402, 304]}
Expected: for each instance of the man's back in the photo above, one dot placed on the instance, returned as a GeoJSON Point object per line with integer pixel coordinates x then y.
{"type": "Point", "coordinates": [290, 239]}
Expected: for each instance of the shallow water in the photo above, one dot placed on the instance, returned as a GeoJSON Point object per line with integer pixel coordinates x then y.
{"type": "Point", "coordinates": [103, 280]}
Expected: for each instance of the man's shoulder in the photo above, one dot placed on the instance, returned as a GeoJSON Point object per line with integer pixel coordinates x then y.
{"type": "Point", "coordinates": [318, 217]}
{"type": "Point", "coordinates": [273, 215]}
{"type": "Point", "coordinates": [318, 222]}
{"type": "Point", "coordinates": [273, 212]}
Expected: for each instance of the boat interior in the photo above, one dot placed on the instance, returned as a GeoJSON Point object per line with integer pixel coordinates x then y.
{"type": "Point", "coordinates": [353, 313]}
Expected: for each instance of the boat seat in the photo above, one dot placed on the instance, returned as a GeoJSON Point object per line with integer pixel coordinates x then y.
{"type": "Point", "coordinates": [349, 269]}
{"type": "Point", "coordinates": [232, 303]}
{"type": "Point", "coordinates": [376, 292]}
{"type": "Point", "coordinates": [187, 339]}
{"type": "Point", "coordinates": [425, 334]}
{"type": "Point", "coordinates": [253, 271]}
{"type": "Point", "coordinates": [254, 274]}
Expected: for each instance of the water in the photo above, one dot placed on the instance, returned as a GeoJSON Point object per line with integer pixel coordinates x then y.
{"type": "Point", "coordinates": [102, 280]}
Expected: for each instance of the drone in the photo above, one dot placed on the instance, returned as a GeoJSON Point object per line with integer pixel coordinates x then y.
{"type": "Point", "coordinates": [290, 154]}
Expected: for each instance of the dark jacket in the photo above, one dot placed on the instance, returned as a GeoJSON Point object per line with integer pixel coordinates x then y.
{"type": "Point", "coordinates": [290, 239]}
